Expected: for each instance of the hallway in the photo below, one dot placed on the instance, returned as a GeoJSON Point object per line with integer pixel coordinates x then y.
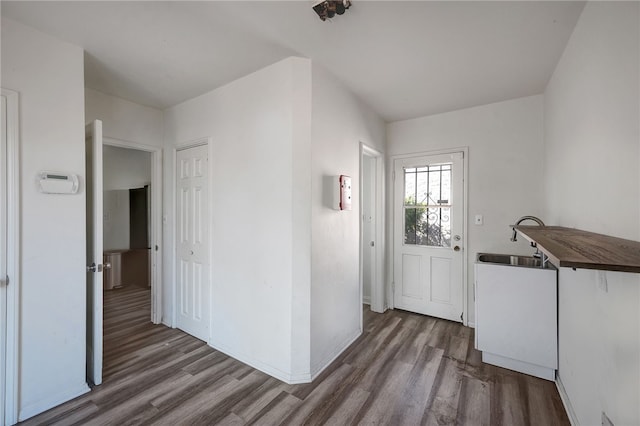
{"type": "Point", "coordinates": [404, 369]}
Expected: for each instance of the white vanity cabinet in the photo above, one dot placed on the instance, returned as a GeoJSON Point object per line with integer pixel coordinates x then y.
{"type": "Point", "coordinates": [517, 317]}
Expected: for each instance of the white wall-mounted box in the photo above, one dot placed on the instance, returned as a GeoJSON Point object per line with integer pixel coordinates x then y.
{"type": "Point", "coordinates": [342, 192]}
{"type": "Point", "coordinates": [57, 183]}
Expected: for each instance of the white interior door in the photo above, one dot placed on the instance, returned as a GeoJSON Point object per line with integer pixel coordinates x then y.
{"type": "Point", "coordinates": [192, 206]}
{"type": "Point", "coordinates": [428, 226]}
{"type": "Point", "coordinates": [93, 172]}
{"type": "Point", "coordinates": [9, 258]}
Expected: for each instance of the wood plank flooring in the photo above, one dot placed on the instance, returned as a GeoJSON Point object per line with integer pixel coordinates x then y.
{"type": "Point", "coordinates": [405, 369]}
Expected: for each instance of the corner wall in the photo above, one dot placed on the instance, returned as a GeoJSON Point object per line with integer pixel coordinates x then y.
{"type": "Point", "coordinates": [592, 176]}
{"type": "Point", "coordinates": [505, 170]}
{"type": "Point", "coordinates": [48, 74]}
{"type": "Point", "coordinates": [124, 120]}
{"type": "Point", "coordinates": [125, 168]}
{"type": "Point", "coordinates": [260, 221]}
{"type": "Point", "coordinates": [339, 123]}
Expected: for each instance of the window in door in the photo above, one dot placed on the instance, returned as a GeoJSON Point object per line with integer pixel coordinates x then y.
{"type": "Point", "coordinates": [427, 205]}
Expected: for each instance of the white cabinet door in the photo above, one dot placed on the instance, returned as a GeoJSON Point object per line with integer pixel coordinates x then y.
{"type": "Point", "coordinates": [516, 314]}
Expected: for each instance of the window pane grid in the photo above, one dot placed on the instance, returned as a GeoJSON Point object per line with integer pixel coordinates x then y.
{"type": "Point", "coordinates": [427, 205]}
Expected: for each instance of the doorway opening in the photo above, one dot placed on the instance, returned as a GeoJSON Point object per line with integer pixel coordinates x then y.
{"type": "Point", "coordinates": [123, 199]}
{"type": "Point", "coordinates": [371, 228]}
{"type": "Point", "coordinates": [132, 219]}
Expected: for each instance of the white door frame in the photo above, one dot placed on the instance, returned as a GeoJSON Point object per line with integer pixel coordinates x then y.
{"type": "Point", "coordinates": [174, 254]}
{"type": "Point", "coordinates": [377, 286]}
{"type": "Point", "coordinates": [156, 220]}
{"type": "Point", "coordinates": [10, 378]}
{"type": "Point", "coordinates": [465, 204]}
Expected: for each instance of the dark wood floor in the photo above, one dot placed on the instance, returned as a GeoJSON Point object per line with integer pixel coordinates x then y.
{"type": "Point", "coordinates": [405, 369]}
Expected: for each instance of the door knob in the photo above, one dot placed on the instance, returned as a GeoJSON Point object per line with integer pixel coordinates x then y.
{"type": "Point", "coordinates": [94, 268]}
{"type": "Point", "coordinates": [372, 244]}
{"type": "Point", "coordinates": [107, 265]}
{"type": "Point", "coordinates": [456, 248]}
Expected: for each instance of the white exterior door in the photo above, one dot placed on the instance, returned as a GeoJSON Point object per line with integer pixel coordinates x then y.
{"type": "Point", "coordinates": [93, 156]}
{"type": "Point", "coordinates": [428, 226]}
{"type": "Point", "coordinates": [193, 264]}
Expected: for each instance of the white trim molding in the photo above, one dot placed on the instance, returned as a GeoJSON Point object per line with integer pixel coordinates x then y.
{"type": "Point", "coordinates": [54, 400]}
{"type": "Point", "coordinates": [573, 419]}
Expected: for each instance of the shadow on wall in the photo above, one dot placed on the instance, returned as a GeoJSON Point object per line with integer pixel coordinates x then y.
{"type": "Point", "coordinates": [327, 191]}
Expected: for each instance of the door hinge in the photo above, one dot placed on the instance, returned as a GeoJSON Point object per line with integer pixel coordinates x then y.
{"type": "Point", "coordinates": [461, 319]}
{"type": "Point", "coordinates": [156, 247]}
{"type": "Point", "coordinates": [7, 280]}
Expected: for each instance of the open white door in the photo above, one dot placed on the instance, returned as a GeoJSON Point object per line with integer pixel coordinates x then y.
{"type": "Point", "coordinates": [9, 258]}
{"type": "Point", "coordinates": [93, 143]}
{"type": "Point", "coordinates": [428, 235]}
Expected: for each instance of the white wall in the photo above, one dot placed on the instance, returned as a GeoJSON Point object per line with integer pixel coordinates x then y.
{"type": "Point", "coordinates": [505, 169]}
{"type": "Point", "coordinates": [260, 220]}
{"type": "Point", "coordinates": [116, 219]}
{"type": "Point", "coordinates": [592, 179]}
{"type": "Point", "coordinates": [124, 120]}
{"type": "Point", "coordinates": [48, 74]}
{"type": "Point", "coordinates": [125, 168]}
{"type": "Point", "coordinates": [339, 123]}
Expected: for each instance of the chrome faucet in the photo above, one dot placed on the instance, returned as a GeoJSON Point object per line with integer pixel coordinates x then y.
{"type": "Point", "coordinates": [522, 219]}
{"type": "Point", "coordinates": [538, 254]}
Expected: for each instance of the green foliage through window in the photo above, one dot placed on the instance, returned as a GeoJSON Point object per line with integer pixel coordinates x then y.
{"type": "Point", "coordinates": [427, 209]}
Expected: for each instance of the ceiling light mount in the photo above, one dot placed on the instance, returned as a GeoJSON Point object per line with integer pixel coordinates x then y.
{"type": "Point", "coordinates": [327, 9]}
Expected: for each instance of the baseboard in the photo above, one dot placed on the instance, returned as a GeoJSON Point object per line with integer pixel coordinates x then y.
{"type": "Point", "coordinates": [45, 404]}
{"type": "Point", "coordinates": [341, 348]}
{"type": "Point", "coordinates": [566, 402]}
{"type": "Point", "coordinates": [546, 373]}
{"type": "Point", "coordinates": [291, 379]}
{"type": "Point", "coordinates": [471, 324]}
{"type": "Point", "coordinates": [366, 301]}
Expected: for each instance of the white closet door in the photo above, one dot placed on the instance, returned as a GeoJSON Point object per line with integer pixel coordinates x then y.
{"type": "Point", "coordinates": [193, 269]}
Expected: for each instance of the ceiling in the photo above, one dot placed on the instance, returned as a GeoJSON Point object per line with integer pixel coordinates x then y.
{"type": "Point", "coordinates": [404, 59]}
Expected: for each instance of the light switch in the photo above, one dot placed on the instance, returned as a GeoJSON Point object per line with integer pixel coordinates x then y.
{"type": "Point", "coordinates": [479, 220]}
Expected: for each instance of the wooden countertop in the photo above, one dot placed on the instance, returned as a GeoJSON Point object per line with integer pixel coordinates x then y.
{"type": "Point", "coordinates": [574, 248]}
